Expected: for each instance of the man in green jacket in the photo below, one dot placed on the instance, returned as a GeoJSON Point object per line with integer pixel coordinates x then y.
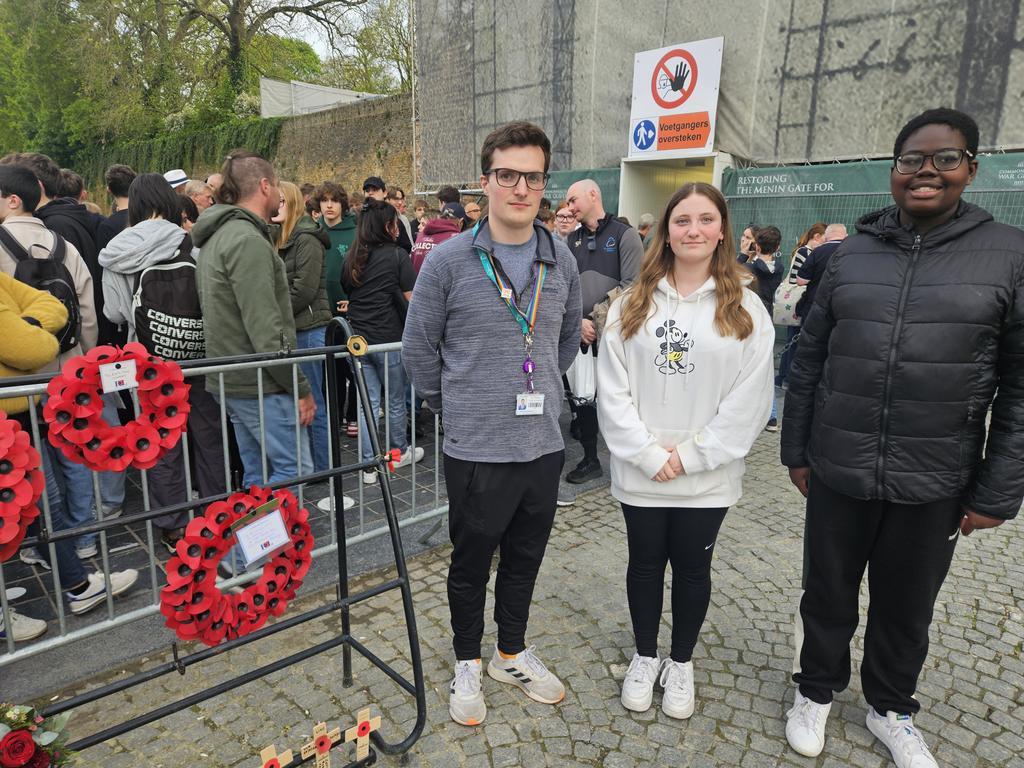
{"type": "Point", "coordinates": [247, 309]}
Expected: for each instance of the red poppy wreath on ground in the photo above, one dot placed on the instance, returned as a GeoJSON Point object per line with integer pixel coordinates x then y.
{"type": "Point", "coordinates": [194, 606]}
{"type": "Point", "coordinates": [21, 485]}
{"type": "Point", "coordinates": [74, 411]}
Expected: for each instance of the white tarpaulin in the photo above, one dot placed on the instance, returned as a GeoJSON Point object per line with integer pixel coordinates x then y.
{"type": "Point", "coordinates": [280, 99]}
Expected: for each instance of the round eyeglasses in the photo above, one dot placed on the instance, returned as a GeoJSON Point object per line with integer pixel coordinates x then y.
{"type": "Point", "coordinates": [942, 160]}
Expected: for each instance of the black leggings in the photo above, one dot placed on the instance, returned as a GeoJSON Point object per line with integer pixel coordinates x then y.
{"type": "Point", "coordinates": [686, 537]}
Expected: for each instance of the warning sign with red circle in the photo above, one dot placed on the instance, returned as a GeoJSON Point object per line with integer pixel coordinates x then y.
{"type": "Point", "coordinates": [674, 78]}
{"type": "Point", "coordinates": [675, 92]}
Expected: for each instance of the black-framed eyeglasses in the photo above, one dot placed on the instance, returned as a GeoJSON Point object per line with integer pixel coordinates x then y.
{"type": "Point", "coordinates": [564, 217]}
{"type": "Point", "coordinates": [943, 160]}
{"type": "Point", "coordinates": [507, 177]}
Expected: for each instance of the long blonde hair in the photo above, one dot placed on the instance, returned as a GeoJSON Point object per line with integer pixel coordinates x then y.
{"type": "Point", "coordinates": [731, 318]}
{"type": "Point", "coordinates": [294, 209]}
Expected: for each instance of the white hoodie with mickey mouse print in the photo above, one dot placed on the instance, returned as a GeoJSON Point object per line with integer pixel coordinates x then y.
{"type": "Point", "coordinates": [678, 383]}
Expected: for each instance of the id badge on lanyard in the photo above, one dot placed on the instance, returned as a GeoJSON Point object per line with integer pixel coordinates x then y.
{"type": "Point", "coordinates": [529, 402]}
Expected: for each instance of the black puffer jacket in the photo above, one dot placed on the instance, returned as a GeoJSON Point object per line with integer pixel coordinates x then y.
{"type": "Point", "coordinates": [900, 357]}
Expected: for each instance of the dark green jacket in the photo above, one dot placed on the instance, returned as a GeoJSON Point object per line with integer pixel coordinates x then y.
{"type": "Point", "coordinates": [305, 268]}
{"type": "Point", "coordinates": [342, 235]}
{"type": "Point", "coordinates": [243, 292]}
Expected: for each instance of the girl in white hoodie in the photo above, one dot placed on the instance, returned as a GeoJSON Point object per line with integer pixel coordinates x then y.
{"type": "Point", "coordinates": [686, 383]}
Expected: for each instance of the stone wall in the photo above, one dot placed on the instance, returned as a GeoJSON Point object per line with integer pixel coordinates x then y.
{"type": "Point", "coordinates": [349, 143]}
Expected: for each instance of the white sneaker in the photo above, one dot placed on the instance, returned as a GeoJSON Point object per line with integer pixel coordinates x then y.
{"type": "Point", "coordinates": [324, 505]}
{"type": "Point", "coordinates": [96, 591]}
{"type": "Point", "coordinates": [23, 628]}
{"type": "Point", "coordinates": [109, 513]}
{"type": "Point", "coordinates": [638, 687]}
{"type": "Point", "coordinates": [805, 725]}
{"type": "Point", "coordinates": [677, 680]}
{"type": "Point", "coordinates": [409, 457]}
{"type": "Point", "coordinates": [86, 551]}
{"type": "Point", "coordinates": [370, 478]}
{"type": "Point", "coordinates": [466, 702]}
{"type": "Point", "coordinates": [903, 740]}
{"type": "Point", "coordinates": [528, 672]}
{"type": "Point", "coordinates": [32, 556]}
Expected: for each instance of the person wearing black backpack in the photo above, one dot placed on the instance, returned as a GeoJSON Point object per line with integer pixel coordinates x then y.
{"type": "Point", "coordinates": [25, 235]}
{"type": "Point", "coordinates": [149, 284]}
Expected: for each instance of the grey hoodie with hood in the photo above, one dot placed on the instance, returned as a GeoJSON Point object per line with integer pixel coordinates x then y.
{"type": "Point", "coordinates": [132, 250]}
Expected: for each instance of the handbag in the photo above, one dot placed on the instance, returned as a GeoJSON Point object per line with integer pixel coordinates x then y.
{"type": "Point", "coordinates": [582, 377]}
{"type": "Point", "coordinates": [786, 298]}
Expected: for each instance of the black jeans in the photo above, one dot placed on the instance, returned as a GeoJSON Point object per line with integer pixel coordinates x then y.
{"type": "Point", "coordinates": [167, 478]}
{"type": "Point", "coordinates": [909, 548]}
{"type": "Point", "coordinates": [686, 538]}
{"type": "Point", "coordinates": [511, 506]}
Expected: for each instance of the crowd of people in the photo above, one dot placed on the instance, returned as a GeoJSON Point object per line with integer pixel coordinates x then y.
{"type": "Point", "coordinates": [906, 331]}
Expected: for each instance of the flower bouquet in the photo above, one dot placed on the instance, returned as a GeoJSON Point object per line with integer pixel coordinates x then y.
{"type": "Point", "coordinates": [28, 740]}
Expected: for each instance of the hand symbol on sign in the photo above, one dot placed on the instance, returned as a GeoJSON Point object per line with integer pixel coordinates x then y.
{"type": "Point", "coordinates": [679, 80]}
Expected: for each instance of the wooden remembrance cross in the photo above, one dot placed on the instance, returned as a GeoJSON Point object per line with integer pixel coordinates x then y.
{"type": "Point", "coordinates": [321, 745]}
{"type": "Point", "coordinates": [361, 732]}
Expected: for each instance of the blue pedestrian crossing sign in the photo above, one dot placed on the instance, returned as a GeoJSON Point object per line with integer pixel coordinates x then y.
{"type": "Point", "coordinates": [644, 134]}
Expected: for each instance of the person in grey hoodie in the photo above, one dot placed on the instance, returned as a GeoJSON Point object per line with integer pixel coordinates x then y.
{"type": "Point", "coordinates": [153, 238]}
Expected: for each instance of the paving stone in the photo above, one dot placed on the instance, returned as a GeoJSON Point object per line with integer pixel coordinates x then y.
{"type": "Point", "coordinates": [970, 690]}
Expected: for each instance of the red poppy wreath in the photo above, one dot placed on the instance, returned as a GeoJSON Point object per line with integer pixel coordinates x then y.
{"type": "Point", "coordinates": [21, 485]}
{"type": "Point", "coordinates": [74, 411]}
{"type": "Point", "coordinates": [194, 606]}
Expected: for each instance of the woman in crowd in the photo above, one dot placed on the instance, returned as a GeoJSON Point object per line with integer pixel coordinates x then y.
{"type": "Point", "coordinates": [378, 278]}
{"type": "Point", "coordinates": [155, 240]}
{"type": "Point", "coordinates": [809, 240]}
{"type": "Point", "coordinates": [435, 231]}
{"type": "Point", "coordinates": [686, 385]}
{"type": "Point", "coordinates": [301, 243]}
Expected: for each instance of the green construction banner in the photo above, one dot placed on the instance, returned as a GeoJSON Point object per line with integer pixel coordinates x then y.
{"type": "Point", "coordinates": [996, 173]}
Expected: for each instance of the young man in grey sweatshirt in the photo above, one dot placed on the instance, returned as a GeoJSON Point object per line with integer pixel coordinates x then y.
{"type": "Point", "coordinates": [493, 324]}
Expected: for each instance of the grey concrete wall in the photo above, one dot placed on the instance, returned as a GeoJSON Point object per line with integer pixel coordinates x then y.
{"type": "Point", "coordinates": [801, 79]}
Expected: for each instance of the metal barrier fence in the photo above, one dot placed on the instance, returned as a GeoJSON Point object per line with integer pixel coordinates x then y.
{"type": "Point", "coordinates": [375, 461]}
{"type": "Point", "coordinates": [425, 481]}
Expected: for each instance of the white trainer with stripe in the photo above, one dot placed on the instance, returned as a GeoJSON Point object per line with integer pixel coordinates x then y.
{"type": "Point", "coordinates": [528, 672]}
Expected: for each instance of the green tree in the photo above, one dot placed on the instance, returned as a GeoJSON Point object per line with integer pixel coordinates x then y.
{"type": "Point", "coordinates": [379, 56]}
{"type": "Point", "coordinates": [237, 23]}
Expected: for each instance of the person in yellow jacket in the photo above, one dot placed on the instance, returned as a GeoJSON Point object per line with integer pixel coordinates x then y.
{"type": "Point", "coordinates": [28, 321]}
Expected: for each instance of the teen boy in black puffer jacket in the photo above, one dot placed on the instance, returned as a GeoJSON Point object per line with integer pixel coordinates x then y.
{"type": "Point", "coordinates": [918, 321]}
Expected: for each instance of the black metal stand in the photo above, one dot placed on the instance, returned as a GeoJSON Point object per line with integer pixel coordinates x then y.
{"type": "Point", "coordinates": [339, 339]}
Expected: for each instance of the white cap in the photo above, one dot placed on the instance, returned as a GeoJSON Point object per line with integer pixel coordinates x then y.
{"type": "Point", "coordinates": [176, 178]}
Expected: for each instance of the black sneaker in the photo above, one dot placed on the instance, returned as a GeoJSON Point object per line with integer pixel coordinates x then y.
{"type": "Point", "coordinates": [772, 426]}
{"type": "Point", "coordinates": [588, 469]}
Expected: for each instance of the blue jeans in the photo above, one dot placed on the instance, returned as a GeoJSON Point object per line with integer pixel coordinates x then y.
{"type": "Point", "coordinates": [279, 433]}
{"type": "Point", "coordinates": [72, 572]}
{"type": "Point", "coordinates": [373, 371]}
{"type": "Point", "coordinates": [314, 371]}
{"type": "Point", "coordinates": [76, 487]}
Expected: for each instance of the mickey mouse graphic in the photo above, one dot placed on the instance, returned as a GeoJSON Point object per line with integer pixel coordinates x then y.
{"type": "Point", "coordinates": [672, 351]}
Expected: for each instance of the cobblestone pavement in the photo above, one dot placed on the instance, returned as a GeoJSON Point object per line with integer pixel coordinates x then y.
{"type": "Point", "coordinates": [972, 688]}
